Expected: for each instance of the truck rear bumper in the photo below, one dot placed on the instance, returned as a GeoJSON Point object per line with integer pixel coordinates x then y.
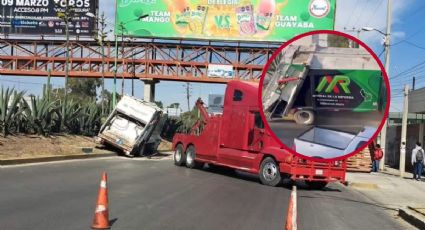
{"type": "Point", "coordinates": [310, 173]}
{"type": "Point", "coordinates": [112, 141]}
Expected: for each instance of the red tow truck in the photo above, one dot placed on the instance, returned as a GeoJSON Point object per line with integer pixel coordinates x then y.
{"type": "Point", "coordinates": [237, 139]}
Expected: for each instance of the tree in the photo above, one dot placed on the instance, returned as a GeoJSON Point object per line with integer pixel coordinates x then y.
{"type": "Point", "coordinates": [83, 89]}
{"type": "Point", "coordinates": [188, 119]}
{"type": "Point", "coordinates": [159, 104]}
{"type": "Point", "coordinates": [174, 105]}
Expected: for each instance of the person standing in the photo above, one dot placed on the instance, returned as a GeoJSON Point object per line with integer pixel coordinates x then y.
{"type": "Point", "coordinates": [377, 156]}
{"type": "Point", "coordinates": [417, 161]}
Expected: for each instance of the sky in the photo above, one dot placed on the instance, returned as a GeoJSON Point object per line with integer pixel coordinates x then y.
{"type": "Point", "coordinates": [407, 50]}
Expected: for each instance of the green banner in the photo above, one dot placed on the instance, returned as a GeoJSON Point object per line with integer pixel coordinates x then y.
{"type": "Point", "coordinates": [239, 20]}
{"type": "Point", "coordinates": [356, 90]}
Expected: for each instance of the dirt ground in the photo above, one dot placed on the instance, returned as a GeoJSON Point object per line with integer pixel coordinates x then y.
{"type": "Point", "coordinates": [30, 146]}
{"type": "Point", "coordinates": [33, 146]}
{"type": "Point", "coordinates": [165, 146]}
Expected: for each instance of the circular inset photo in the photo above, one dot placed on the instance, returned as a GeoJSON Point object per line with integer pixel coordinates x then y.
{"type": "Point", "coordinates": [324, 95]}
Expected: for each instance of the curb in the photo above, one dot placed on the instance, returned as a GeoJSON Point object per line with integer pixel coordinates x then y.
{"type": "Point", "coordinates": [363, 185]}
{"type": "Point", "coordinates": [395, 175]}
{"type": "Point", "coordinates": [412, 218]}
{"type": "Point", "coordinates": [54, 158]}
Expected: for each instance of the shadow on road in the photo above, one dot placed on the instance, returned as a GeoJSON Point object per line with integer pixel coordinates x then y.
{"type": "Point", "coordinates": [303, 186]}
{"type": "Point", "coordinates": [348, 200]}
{"type": "Point", "coordinates": [229, 172]}
{"type": "Point", "coordinates": [112, 221]}
{"type": "Point", "coordinates": [240, 175]}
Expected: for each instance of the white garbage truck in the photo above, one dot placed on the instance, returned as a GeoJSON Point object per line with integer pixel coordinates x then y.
{"type": "Point", "coordinates": [134, 127]}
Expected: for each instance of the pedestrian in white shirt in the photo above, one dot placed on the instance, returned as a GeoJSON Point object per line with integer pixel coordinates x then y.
{"type": "Point", "coordinates": [417, 161]}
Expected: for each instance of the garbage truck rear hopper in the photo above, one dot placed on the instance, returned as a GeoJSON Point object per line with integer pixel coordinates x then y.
{"type": "Point", "coordinates": [134, 127]}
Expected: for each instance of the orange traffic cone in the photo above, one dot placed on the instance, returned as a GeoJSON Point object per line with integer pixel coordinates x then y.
{"type": "Point", "coordinates": [291, 218]}
{"type": "Point", "coordinates": [101, 214]}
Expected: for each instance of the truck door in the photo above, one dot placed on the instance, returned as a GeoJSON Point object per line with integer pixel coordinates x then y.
{"type": "Point", "coordinates": [235, 124]}
{"type": "Point", "coordinates": [241, 148]}
{"type": "Point", "coordinates": [255, 137]}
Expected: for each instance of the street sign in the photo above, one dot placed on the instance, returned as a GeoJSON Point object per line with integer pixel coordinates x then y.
{"type": "Point", "coordinates": [40, 17]}
{"type": "Point", "coordinates": [222, 71]}
{"type": "Point", "coordinates": [251, 20]}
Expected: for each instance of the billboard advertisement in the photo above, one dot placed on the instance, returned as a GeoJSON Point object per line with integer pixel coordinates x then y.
{"type": "Point", "coordinates": [40, 17]}
{"type": "Point", "coordinates": [221, 71]}
{"type": "Point", "coordinates": [238, 20]}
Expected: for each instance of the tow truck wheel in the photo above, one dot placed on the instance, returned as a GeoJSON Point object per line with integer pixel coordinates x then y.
{"type": "Point", "coordinates": [179, 156]}
{"type": "Point", "coordinates": [304, 117]}
{"type": "Point", "coordinates": [316, 185]}
{"type": "Point", "coordinates": [269, 172]}
{"type": "Point", "coordinates": [190, 158]}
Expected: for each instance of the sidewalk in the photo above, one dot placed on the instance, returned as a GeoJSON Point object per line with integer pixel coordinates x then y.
{"type": "Point", "coordinates": [391, 191]}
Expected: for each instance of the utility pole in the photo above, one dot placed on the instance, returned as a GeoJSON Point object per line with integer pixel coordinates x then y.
{"type": "Point", "coordinates": [413, 83]}
{"type": "Point", "coordinates": [66, 17]}
{"type": "Point", "coordinates": [383, 135]}
{"type": "Point", "coordinates": [403, 131]}
{"type": "Point", "coordinates": [188, 95]}
{"type": "Point", "coordinates": [134, 68]}
{"type": "Point", "coordinates": [101, 40]}
{"type": "Point", "coordinates": [114, 92]}
{"type": "Point", "coordinates": [49, 72]}
{"type": "Point", "coordinates": [100, 37]}
{"type": "Point", "coordinates": [121, 25]}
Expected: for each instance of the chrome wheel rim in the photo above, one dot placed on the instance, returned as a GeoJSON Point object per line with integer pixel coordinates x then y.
{"type": "Point", "coordinates": [189, 157]}
{"type": "Point", "coordinates": [270, 171]}
{"type": "Point", "coordinates": [178, 155]}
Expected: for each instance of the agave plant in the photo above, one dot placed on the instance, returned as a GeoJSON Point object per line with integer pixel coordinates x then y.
{"type": "Point", "coordinates": [70, 117]}
{"type": "Point", "coordinates": [9, 109]}
{"type": "Point", "coordinates": [41, 115]}
{"type": "Point", "coordinates": [89, 119]}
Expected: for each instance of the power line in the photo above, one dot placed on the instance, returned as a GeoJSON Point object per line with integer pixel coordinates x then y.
{"type": "Point", "coordinates": [361, 13]}
{"type": "Point", "coordinates": [415, 12]}
{"type": "Point", "coordinates": [414, 45]}
{"type": "Point", "coordinates": [411, 69]}
{"type": "Point", "coordinates": [29, 83]}
{"type": "Point", "coordinates": [409, 37]}
{"type": "Point", "coordinates": [415, 71]}
{"type": "Point", "coordinates": [373, 12]}
{"type": "Point", "coordinates": [408, 78]}
{"type": "Point", "coordinates": [354, 10]}
{"type": "Point", "coordinates": [381, 53]}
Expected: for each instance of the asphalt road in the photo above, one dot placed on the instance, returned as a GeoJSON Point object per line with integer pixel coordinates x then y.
{"type": "Point", "coordinates": [147, 194]}
{"type": "Point", "coordinates": [287, 130]}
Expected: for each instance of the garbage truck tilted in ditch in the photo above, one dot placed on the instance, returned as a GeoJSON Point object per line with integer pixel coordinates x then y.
{"type": "Point", "coordinates": [134, 127]}
{"type": "Point", "coordinates": [237, 139]}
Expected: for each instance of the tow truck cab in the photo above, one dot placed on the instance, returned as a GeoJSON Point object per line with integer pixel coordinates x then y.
{"type": "Point", "coordinates": [237, 139]}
